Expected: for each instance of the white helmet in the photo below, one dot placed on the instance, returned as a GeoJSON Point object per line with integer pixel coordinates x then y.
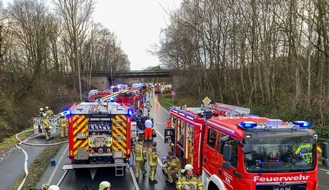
{"type": "Point", "coordinates": [41, 109]}
{"type": "Point", "coordinates": [53, 187]}
{"type": "Point", "coordinates": [47, 107]}
{"type": "Point", "coordinates": [104, 184]}
{"type": "Point", "coordinates": [188, 167]}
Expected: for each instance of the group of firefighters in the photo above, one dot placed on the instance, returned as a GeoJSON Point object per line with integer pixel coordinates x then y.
{"type": "Point", "coordinates": [173, 169]}
{"type": "Point", "coordinates": [62, 121]}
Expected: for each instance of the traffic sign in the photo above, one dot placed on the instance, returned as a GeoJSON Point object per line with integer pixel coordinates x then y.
{"type": "Point", "coordinates": [206, 100]}
{"type": "Point", "coordinates": [173, 93]}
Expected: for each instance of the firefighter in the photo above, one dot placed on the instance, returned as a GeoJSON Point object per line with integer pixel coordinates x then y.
{"type": "Point", "coordinates": [172, 168]}
{"type": "Point", "coordinates": [148, 129]}
{"type": "Point", "coordinates": [51, 187]}
{"type": "Point", "coordinates": [42, 112]}
{"type": "Point", "coordinates": [63, 123]}
{"type": "Point", "coordinates": [140, 157]}
{"type": "Point", "coordinates": [104, 185]}
{"type": "Point", "coordinates": [153, 162]}
{"type": "Point", "coordinates": [168, 123]}
{"type": "Point", "coordinates": [46, 127]}
{"type": "Point", "coordinates": [148, 107]}
{"type": "Point", "coordinates": [49, 112]}
{"type": "Point", "coordinates": [188, 180]}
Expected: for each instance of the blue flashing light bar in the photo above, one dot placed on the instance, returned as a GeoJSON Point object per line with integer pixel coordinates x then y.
{"type": "Point", "coordinates": [130, 112]}
{"type": "Point", "coordinates": [67, 112]}
{"type": "Point", "coordinates": [111, 99]}
{"type": "Point", "coordinates": [248, 124]}
{"type": "Point", "coordinates": [302, 124]}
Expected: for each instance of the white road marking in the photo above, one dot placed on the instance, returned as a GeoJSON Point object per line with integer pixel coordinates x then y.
{"type": "Point", "coordinates": [57, 165]}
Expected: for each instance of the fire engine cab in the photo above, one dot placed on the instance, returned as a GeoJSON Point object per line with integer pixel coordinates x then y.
{"type": "Point", "coordinates": [99, 136]}
{"type": "Point", "coordinates": [232, 149]}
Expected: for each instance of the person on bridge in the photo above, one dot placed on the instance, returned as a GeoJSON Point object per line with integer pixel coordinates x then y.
{"type": "Point", "coordinates": [140, 157]}
{"type": "Point", "coordinates": [104, 185]}
{"type": "Point", "coordinates": [188, 180]}
{"type": "Point", "coordinates": [63, 123]}
{"type": "Point", "coordinates": [173, 166]}
{"type": "Point", "coordinates": [148, 129]}
{"type": "Point", "coordinates": [153, 162]}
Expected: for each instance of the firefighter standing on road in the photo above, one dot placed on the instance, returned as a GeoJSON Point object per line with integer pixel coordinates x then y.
{"type": "Point", "coordinates": [42, 112]}
{"type": "Point", "coordinates": [49, 112]}
{"type": "Point", "coordinates": [148, 129]}
{"type": "Point", "coordinates": [188, 180]}
{"type": "Point", "coordinates": [63, 123]}
{"type": "Point", "coordinates": [173, 167]}
{"type": "Point", "coordinates": [153, 162]}
{"type": "Point", "coordinates": [46, 127]}
{"type": "Point", "coordinates": [140, 157]}
{"type": "Point", "coordinates": [148, 107]}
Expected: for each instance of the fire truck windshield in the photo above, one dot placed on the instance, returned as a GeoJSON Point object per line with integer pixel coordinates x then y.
{"type": "Point", "coordinates": [277, 153]}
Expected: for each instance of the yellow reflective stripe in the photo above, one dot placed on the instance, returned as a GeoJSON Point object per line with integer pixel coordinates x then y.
{"type": "Point", "coordinates": [118, 146]}
{"type": "Point", "coordinates": [119, 132]}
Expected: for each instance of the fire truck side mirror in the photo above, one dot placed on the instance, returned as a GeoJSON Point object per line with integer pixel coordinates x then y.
{"type": "Point", "coordinates": [247, 149]}
{"type": "Point", "coordinates": [227, 152]}
{"type": "Point", "coordinates": [325, 154]}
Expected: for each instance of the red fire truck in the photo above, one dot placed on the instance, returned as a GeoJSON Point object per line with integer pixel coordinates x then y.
{"type": "Point", "coordinates": [231, 149]}
{"type": "Point", "coordinates": [99, 136]}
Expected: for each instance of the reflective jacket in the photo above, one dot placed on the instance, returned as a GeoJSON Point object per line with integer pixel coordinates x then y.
{"type": "Point", "coordinates": [62, 122]}
{"type": "Point", "coordinates": [174, 164]}
{"type": "Point", "coordinates": [152, 157]}
{"type": "Point", "coordinates": [140, 153]}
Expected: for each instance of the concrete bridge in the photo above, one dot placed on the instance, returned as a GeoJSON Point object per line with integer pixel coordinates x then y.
{"type": "Point", "coordinates": [102, 80]}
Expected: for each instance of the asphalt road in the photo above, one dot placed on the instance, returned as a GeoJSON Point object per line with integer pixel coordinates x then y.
{"type": "Point", "coordinates": [80, 178]}
{"type": "Point", "coordinates": [12, 165]}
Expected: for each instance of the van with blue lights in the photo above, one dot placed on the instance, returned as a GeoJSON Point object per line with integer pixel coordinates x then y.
{"type": "Point", "coordinates": [233, 149]}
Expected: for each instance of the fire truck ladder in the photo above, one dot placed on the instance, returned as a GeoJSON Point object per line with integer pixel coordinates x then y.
{"type": "Point", "coordinates": [118, 163]}
{"type": "Point", "coordinates": [232, 110]}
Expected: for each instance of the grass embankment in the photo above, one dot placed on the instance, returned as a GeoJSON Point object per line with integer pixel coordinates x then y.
{"type": "Point", "coordinates": [38, 166]}
{"type": "Point", "coordinates": [12, 141]}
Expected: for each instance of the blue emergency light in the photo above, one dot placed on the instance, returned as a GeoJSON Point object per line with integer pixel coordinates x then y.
{"type": "Point", "coordinates": [302, 124]}
{"type": "Point", "coordinates": [130, 112]}
{"type": "Point", "coordinates": [248, 124]}
{"type": "Point", "coordinates": [67, 112]}
{"type": "Point", "coordinates": [111, 99]}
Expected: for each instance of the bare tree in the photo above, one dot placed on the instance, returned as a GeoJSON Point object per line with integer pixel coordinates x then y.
{"type": "Point", "coordinates": [76, 15]}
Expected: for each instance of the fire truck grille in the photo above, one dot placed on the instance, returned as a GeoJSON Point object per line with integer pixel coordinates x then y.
{"type": "Point", "coordinates": [300, 186]}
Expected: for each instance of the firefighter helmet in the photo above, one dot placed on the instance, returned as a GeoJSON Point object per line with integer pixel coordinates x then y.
{"type": "Point", "coordinates": [188, 167]}
{"type": "Point", "coordinates": [104, 184]}
{"type": "Point", "coordinates": [53, 187]}
{"type": "Point", "coordinates": [47, 107]}
{"type": "Point", "coordinates": [41, 109]}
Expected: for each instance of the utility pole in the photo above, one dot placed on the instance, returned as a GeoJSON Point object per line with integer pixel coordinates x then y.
{"type": "Point", "coordinates": [79, 77]}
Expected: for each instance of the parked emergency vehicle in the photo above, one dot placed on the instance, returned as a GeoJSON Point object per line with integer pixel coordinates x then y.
{"type": "Point", "coordinates": [99, 136]}
{"type": "Point", "coordinates": [233, 150]}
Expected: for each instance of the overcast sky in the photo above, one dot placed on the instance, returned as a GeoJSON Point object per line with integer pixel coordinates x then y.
{"type": "Point", "coordinates": [137, 24]}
